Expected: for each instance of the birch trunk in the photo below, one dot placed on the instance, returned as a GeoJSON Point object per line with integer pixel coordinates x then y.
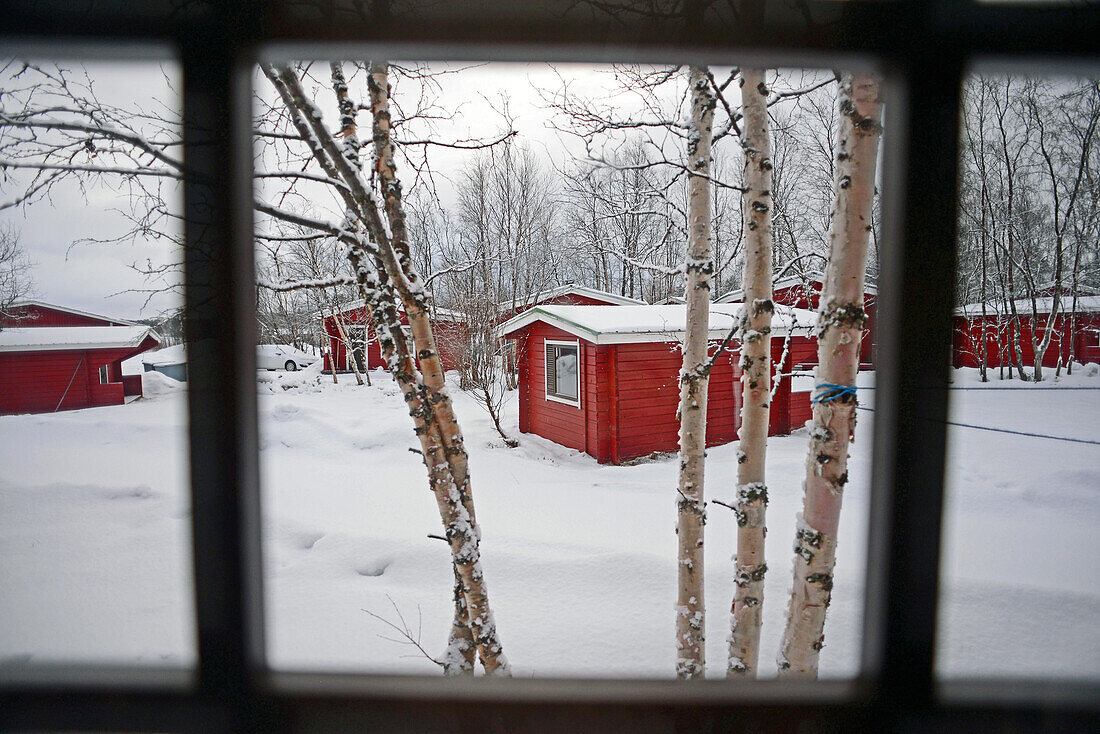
{"type": "Point", "coordinates": [461, 649]}
{"type": "Point", "coordinates": [349, 348]}
{"type": "Point", "coordinates": [465, 541]}
{"type": "Point", "coordinates": [691, 514]}
{"type": "Point", "coordinates": [840, 326]}
{"type": "Point", "coordinates": [752, 493]}
{"type": "Point", "coordinates": [384, 272]}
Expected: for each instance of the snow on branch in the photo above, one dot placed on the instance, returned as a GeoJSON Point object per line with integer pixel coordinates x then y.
{"type": "Point", "coordinates": [297, 285]}
{"type": "Point", "coordinates": [88, 168]}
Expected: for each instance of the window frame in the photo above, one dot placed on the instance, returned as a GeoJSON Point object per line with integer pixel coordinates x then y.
{"type": "Point", "coordinates": [555, 397]}
{"type": "Point", "coordinates": [923, 45]}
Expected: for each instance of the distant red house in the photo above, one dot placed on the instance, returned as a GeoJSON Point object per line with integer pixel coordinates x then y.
{"type": "Point", "coordinates": [449, 328]}
{"type": "Point", "coordinates": [55, 358]}
{"type": "Point", "coordinates": [1081, 342]}
{"type": "Point", "coordinates": [566, 295]}
{"type": "Point", "coordinates": [604, 380]}
{"type": "Point", "coordinates": [799, 293]}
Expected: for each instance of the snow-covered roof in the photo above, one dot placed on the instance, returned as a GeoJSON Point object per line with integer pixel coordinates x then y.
{"type": "Point", "coordinates": [65, 309]}
{"type": "Point", "coordinates": [34, 339]}
{"type": "Point", "coordinates": [629, 324]}
{"type": "Point", "coordinates": [571, 289]}
{"type": "Point", "coordinates": [169, 355]}
{"type": "Point", "coordinates": [1085, 304]}
{"type": "Point", "coordinates": [437, 311]}
{"type": "Point", "coordinates": [738, 295]}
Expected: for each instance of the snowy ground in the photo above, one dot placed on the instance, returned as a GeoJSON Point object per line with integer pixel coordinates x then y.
{"type": "Point", "coordinates": [579, 557]}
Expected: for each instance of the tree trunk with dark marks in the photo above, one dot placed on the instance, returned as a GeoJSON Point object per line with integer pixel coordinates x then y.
{"type": "Point", "coordinates": [751, 499]}
{"type": "Point", "coordinates": [692, 413]}
{"type": "Point", "coordinates": [840, 326]}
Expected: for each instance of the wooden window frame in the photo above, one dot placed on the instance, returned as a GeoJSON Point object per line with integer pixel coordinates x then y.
{"type": "Point", "coordinates": [555, 397]}
{"type": "Point", "coordinates": [924, 46]}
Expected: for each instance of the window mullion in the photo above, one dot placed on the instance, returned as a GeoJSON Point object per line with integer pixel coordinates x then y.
{"type": "Point", "coordinates": [916, 297]}
{"type": "Point", "coordinates": [220, 334]}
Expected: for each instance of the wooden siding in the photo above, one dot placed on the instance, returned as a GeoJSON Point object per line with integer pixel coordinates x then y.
{"type": "Point", "coordinates": [796, 296]}
{"type": "Point", "coordinates": [449, 336]}
{"type": "Point", "coordinates": [566, 299]}
{"type": "Point", "coordinates": [565, 424]}
{"type": "Point", "coordinates": [802, 353]}
{"type": "Point", "coordinates": [42, 382]}
{"type": "Point", "coordinates": [968, 335]}
{"type": "Point", "coordinates": [43, 316]}
{"type": "Point", "coordinates": [630, 393]}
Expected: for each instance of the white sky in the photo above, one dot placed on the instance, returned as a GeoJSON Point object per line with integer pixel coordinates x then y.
{"type": "Point", "coordinates": [99, 278]}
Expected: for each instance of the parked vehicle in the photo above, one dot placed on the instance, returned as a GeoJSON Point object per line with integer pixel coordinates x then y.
{"type": "Point", "coordinates": [282, 357]}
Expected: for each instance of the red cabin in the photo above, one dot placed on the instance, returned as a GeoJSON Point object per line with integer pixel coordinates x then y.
{"type": "Point", "coordinates": [806, 293]}
{"type": "Point", "coordinates": [54, 358]}
{"type": "Point", "coordinates": [566, 295]}
{"type": "Point", "coordinates": [605, 380]}
{"type": "Point", "coordinates": [1076, 332]}
{"type": "Point", "coordinates": [449, 328]}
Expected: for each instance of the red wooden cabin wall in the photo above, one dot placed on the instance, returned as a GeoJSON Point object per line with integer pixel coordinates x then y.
{"type": "Point", "coordinates": [449, 336]}
{"type": "Point", "coordinates": [968, 337]}
{"type": "Point", "coordinates": [630, 392]}
{"type": "Point", "coordinates": [34, 382]}
{"type": "Point", "coordinates": [34, 315]}
{"type": "Point", "coordinates": [795, 295]}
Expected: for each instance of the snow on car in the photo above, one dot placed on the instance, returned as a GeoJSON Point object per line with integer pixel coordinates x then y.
{"type": "Point", "coordinates": [282, 357]}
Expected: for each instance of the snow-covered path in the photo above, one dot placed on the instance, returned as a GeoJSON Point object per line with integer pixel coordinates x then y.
{"type": "Point", "coordinates": [579, 557]}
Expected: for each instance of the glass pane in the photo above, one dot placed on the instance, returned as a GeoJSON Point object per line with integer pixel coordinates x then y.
{"type": "Point", "coordinates": [94, 503]}
{"type": "Point", "coordinates": [520, 209]}
{"type": "Point", "coordinates": [566, 371]}
{"type": "Point", "coordinates": [1021, 590]}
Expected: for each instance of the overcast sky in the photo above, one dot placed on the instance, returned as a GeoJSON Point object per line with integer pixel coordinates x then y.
{"type": "Point", "coordinates": [100, 277]}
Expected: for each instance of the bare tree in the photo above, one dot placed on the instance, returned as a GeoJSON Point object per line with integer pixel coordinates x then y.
{"type": "Point", "coordinates": [840, 327]}
{"type": "Point", "coordinates": [15, 279]}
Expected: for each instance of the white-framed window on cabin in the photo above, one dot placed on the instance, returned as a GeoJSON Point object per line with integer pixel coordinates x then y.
{"type": "Point", "coordinates": [103, 377]}
{"type": "Point", "coordinates": [563, 375]}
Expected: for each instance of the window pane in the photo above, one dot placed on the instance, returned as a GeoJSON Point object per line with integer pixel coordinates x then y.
{"type": "Point", "coordinates": [94, 504]}
{"type": "Point", "coordinates": [1020, 590]}
{"type": "Point", "coordinates": [577, 542]}
{"type": "Point", "coordinates": [566, 371]}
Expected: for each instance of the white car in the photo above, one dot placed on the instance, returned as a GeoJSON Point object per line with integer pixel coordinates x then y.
{"type": "Point", "coordinates": [282, 357]}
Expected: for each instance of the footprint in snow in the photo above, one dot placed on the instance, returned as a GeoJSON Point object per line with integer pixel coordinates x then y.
{"type": "Point", "coordinates": [373, 569]}
{"type": "Point", "coordinates": [306, 541]}
{"type": "Point", "coordinates": [285, 412]}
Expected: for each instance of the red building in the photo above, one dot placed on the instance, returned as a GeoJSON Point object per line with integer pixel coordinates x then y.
{"type": "Point", "coordinates": [449, 328]}
{"type": "Point", "coordinates": [806, 293]}
{"type": "Point", "coordinates": [54, 358]}
{"type": "Point", "coordinates": [1076, 332]}
{"type": "Point", "coordinates": [566, 295]}
{"type": "Point", "coordinates": [604, 380]}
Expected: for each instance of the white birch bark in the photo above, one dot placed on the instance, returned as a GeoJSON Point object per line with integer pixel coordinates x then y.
{"type": "Point", "coordinates": [691, 513]}
{"type": "Point", "coordinates": [751, 499]}
{"type": "Point", "coordinates": [840, 325]}
{"type": "Point", "coordinates": [385, 271]}
{"type": "Point", "coordinates": [461, 524]}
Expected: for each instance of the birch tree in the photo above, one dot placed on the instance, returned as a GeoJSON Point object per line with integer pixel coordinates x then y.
{"type": "Point", "coordinates": [751, 498]}
{"type": "Point", "coordinates": [53, 125]}
{"type": "Point", "coordinates": [694, 378]}
{"type": "Point", "coordinates": [840, 325]}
